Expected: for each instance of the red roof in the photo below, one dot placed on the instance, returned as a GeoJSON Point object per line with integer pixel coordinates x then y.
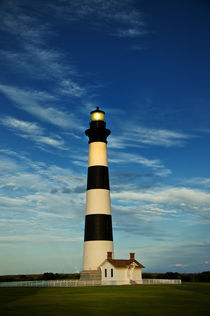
{"type": "Point", "coordinates": [123, 263]}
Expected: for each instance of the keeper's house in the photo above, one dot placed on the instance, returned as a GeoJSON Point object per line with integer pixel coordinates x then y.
{"type": "Point", "coordinates": [121, 271]}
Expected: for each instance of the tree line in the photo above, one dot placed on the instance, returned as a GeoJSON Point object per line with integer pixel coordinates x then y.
{"type": "Point", "coordinates": [185, 277]}
{"type": "Point", "coordinates": [39, 277]}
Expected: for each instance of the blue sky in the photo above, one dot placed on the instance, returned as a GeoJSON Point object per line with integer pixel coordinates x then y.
{"type": "Point", "coordinates": [146, 64]}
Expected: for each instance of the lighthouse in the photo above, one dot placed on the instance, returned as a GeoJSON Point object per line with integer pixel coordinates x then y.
{"type": "Point", "coordinates": [98, 237]}
{"type": "Point", "coordinates": [99, 264]}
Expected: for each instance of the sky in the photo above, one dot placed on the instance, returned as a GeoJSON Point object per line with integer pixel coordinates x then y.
{"type": "Point", "coordinates": [146, 64]}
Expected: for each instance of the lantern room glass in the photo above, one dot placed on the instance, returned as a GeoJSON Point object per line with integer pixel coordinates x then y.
{"type": "Point", "coordinates": [97, 116]}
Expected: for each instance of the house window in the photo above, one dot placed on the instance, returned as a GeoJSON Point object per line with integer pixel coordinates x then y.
{"type": "Point", "coordinates": [112, 273]}
{"type": "Point", "coordinates": [105, 273]}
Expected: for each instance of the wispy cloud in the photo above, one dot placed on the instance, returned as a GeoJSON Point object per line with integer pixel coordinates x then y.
{"type": "Point", "coordinates": [26, 174]}
{"type": "Point", "coordinates": [70, 88]}
{"type": "Point", "coordinates": [12, 202]}
{"type": "Point", "coordinates": [26, 194]}
{"type": "Point", "coordinates": [38, 239]}
{"type": "Point", "coordinates": [155, 164]}
{"type": "Point", "coordinates": [46, 64]}
{"type": "Point", "coordinates": [31, 101]}
{"type": "Point", "coordinates": [22, 126]}
{"type": "Point", "coordinates": [15, 21]}
{"type": "Point", "coordinates": [144, 211]}
{"type": "Point", "coordinates": [118, 18]}
{"type": "Point", "coordinates": [22, 96]}
{"type": "Point", "coordinates": [34, 56]}
{"type": "Point", "coordinates": [32, 131]}
{"type": "Point", "coordinates": [133, 135]}
{"type": "Point", "coordinates": [9, 220]}
{"type": "Point", "coordinates": [179, 255]}
{"type": "Point", "coordinates": [132, 32]}
{"type": "Point", "coordinates": [205, 182]}
{"type": "Point", "coordinates": [179, 265]}
{"type": "Point", "coordinates": [159, 137]}
{"type": "Point", "coordinates": [181, 199]}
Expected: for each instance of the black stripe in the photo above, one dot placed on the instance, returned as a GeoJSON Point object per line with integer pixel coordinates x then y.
{"type": "Point", "coordinates": [98, 227]}
{"type": "Point", "coordinates": [98, 178]}
{"type": "Point", "coordinates": [97, 132]}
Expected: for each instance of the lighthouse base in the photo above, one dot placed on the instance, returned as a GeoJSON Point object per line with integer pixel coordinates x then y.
{"type": "Point", "coordinates": [90, 275]}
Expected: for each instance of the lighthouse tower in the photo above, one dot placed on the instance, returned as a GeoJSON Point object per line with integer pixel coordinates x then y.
{"type": "Point", "coordinates": [98, 238]}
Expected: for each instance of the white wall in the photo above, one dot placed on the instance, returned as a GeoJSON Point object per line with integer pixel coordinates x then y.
{"type": "Point", "coordinates": [137, 275]}
{"type": "Point", "coordinates": [120, 275]}
{"type": "Point", "coordinates": [95, 252]}
{"type": "Point", "coordinates": [108, 266]}
{"type": "Point", "coordinates": [97, 154]}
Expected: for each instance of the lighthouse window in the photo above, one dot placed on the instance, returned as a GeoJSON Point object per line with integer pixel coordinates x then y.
{"type": "Point", "coordinates": [112, 273]}
{"type": "Point", "coordinates": [105, 273]}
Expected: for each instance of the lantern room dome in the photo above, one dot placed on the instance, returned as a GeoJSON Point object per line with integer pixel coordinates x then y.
{"type": "Point", "coordinates": [97, 115]}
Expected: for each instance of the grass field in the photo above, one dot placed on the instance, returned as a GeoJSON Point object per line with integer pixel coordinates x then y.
{"type": "Point", "coordinates": [186, 299]}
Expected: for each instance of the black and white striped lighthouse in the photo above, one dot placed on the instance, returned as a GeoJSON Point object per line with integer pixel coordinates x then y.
{"type": "Point", "coordinates": [98, 238]}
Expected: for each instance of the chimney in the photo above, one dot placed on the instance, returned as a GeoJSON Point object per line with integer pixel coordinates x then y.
{"type": "Point", "coordinates": [132, 255]}
{"type": "Point", "coordinates": [109, 255]}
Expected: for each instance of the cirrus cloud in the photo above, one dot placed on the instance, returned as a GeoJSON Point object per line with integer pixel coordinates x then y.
{"type": "Point", "coordinates": [181, 199]}
{"type": "Point", "coordinates": [32, 131]}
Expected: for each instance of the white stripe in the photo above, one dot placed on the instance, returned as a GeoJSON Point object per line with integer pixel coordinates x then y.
{"type": "Point", "coordinates": [97, 154]}
{"type": "Point", "coordinates": [98, 202]}
{"type": "Point", "coordinates": [95, 252]}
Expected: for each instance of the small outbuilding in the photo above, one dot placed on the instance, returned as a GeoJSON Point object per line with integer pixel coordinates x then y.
{"type": "Point", "coordinates": [121, 271]}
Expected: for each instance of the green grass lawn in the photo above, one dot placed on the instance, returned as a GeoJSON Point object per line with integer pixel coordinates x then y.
{"type": "Point", "coordinates": [186, 299]}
